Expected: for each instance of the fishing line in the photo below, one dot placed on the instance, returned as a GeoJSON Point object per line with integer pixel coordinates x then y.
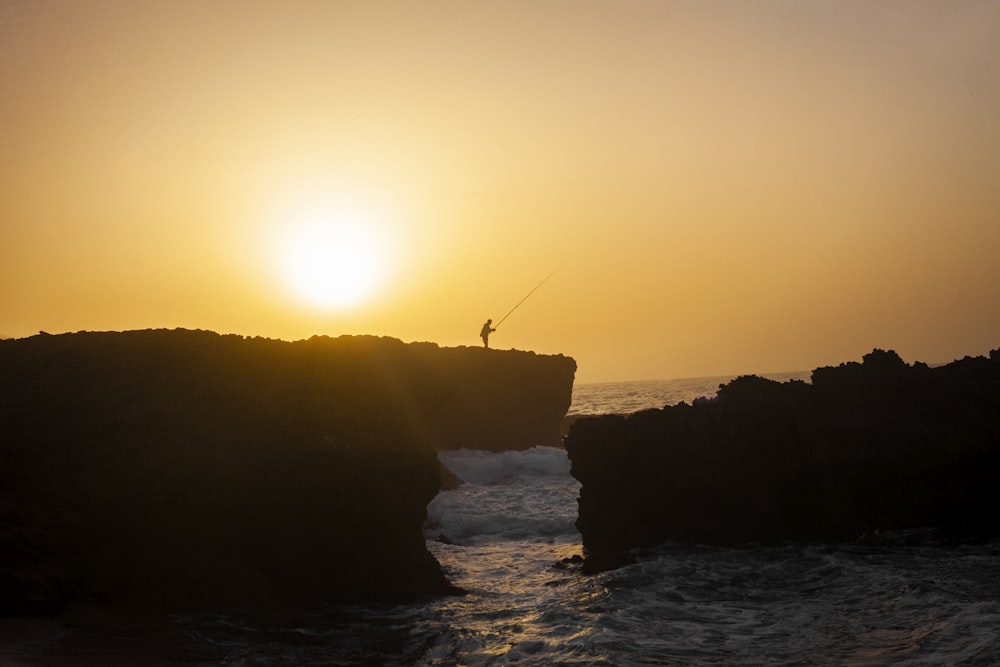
{"type": "Point", "coordinates": [497, 325]}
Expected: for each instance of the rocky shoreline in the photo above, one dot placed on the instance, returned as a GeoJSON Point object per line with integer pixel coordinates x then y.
{"type": "Point", "coordinates": [190, 470]}
{"type": "Point", "coordinates": [866, 447]}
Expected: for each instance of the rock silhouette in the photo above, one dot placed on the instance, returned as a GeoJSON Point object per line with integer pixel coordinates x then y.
{"type": "Point", "coordinates": [184, 469]}
{"type": "Point", "coordinates": [875, 446]}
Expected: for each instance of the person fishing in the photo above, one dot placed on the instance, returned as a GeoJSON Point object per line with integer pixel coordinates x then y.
{"type": "Point", "coordinates": [486, 331]}
{"type": "Point", "coordinates": [488, 328]}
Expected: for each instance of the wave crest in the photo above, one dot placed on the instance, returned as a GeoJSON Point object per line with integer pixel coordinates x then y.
{"type": "Point", "coordinates": [476, 466]}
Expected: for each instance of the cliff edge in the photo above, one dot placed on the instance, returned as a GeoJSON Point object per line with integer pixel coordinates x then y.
{"type": "Point", "coordinates": [875, 446]}
{"type": "Point", "coordinates": [184, 469]}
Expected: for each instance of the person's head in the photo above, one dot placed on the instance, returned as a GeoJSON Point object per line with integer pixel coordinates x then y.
{"type": "Point", "coordinates": [489, 321]}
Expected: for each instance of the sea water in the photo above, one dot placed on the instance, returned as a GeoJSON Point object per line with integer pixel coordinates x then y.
{"type": "Point", "coordinates": [509, 540]}
{"type": "Point", "coordinates": [626, 397]}
{"type": "Point", "coordinates": [507, 537]}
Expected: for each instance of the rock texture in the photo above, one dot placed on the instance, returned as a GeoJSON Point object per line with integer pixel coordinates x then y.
{"type": "Point", "coordinates": [184, 469]}
{"type": "Point", "coordinates": [880, 445]}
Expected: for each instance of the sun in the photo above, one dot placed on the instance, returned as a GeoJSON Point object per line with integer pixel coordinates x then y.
{"type": "Point", "coordinates": [333, 260]}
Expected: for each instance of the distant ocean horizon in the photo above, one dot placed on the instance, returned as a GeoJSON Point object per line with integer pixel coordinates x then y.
{"type": "Point", "coordinates": [597, 398]}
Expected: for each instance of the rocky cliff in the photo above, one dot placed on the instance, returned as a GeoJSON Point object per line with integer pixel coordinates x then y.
{"type": "Point", "coordinates": [879, 445]}
{"type": "Point", "coordinates": [185, 469]}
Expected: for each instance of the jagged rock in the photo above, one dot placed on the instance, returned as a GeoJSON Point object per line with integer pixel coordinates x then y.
{"type": "Point", "coordinates": [879, 445]}
{"type": "Point", "coordinates": [185, 469]}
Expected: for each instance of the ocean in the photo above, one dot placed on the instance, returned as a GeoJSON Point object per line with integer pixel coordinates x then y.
{"type": "Point", "coordinates": [507, 537]}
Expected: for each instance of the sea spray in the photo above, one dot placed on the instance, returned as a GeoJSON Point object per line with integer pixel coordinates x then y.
{"type": "Point", "coordinates": [483, 467]}
{"type": "Point", "coordinates": [507, 496]}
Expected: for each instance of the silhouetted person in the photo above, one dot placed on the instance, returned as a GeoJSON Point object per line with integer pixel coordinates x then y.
{"type": "Point", "coordinates": [485, 333]}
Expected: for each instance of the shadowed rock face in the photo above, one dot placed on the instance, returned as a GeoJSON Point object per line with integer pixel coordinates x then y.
{"type": "Point", "coordinates": [500, 399]}
{"type": "Point", "coordinates": [184, 469]}
{"type": "Point", "coordinates": [879, 445]}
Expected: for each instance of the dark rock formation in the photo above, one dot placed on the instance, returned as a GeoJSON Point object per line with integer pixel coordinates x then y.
{"type": "Point", "coordinates": [498, 399]}
{"type": "Point", "coordinates": [184, 469]}
{"type": "Point", "coordinates": [875, 446]}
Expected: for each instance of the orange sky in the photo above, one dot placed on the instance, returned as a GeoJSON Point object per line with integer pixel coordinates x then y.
{"type": "Point", "coordinates": [733, 187]}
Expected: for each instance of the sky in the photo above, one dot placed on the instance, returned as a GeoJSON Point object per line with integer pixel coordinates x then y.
{"type": "Point", "coordinates": [721, 187]}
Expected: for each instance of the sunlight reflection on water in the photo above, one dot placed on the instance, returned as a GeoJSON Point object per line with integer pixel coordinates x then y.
{"type": "Point", "coordinates": [627, 397]}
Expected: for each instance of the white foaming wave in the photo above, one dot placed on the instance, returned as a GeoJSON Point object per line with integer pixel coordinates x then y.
{"type": "Point", "coordinates": [475, 466]}
{"type": "Point", "coordinates": [513, 495]}
{"type": "Point", "coordinates": [464, 528]}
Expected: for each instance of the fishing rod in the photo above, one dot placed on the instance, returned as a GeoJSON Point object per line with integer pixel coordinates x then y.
{"type": "Point", "coordinates": [497, 325]}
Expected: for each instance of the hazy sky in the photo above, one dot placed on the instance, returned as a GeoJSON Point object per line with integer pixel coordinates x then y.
{"type": "Point", "coordinates": [733, 187]}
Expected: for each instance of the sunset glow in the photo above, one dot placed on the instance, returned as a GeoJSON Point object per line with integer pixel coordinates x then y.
{"type": "Point", "coordinates": [733, 187]}
{"type": "Point", "coordinates": [331, 261]}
